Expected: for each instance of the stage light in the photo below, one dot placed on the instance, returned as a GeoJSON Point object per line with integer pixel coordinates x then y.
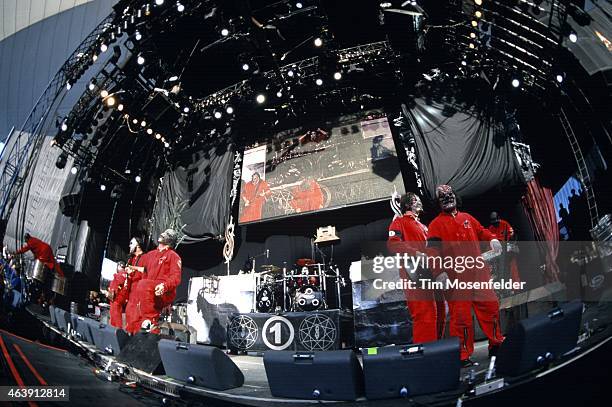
{"type": "Point", "coordinates": [478, 2]}
{"type": "Point", "coordinates": [120, 107]}
{"type": "Point", "coordinates": [472, 46]}
{"type": "Point", "coordinates": [337, 76]}
{"type": "Point", "coordinates": [180, 7]}
{"type": "Point", "coordinates": [229, 110]}
{"type": "Point", "coordinates": [157, 136]}
{"type": "Point", "coordinates": [111, 101]}
{"type": "Point", "coordinates": [474, 23]}
{"type": "Point", "coordinates": [64, 126]}
{"type": "Point", "coordinates": [217, 114]}
{"type": "Point", "coordinates": [186, 109]}
{"type": "Point", "coordinates": [472, 35]}
{"type": "Point", "coordinates": [92, 84]}
{"type": "Point", "coordinates": [138, 36]}
{"type": "Point", "coordinates": [104, 93]}
{"type": "Point", "coordinates": [318, 42]}
{"type": "Point", "coordinates": [260, 98]}
{"type": "Point", "coordinates": [137, 178]}
{"type": "Point", "coordinates": [62, 159]}
{"type": "Point", "coordinates": [299, 5]}
{"type": "Point", "coordinates": [166, 144]}
{"type": "Point", "coordinates": [103, 47]}
{"type": "Point", "coordinates": [140, 60]}
{"type": "Point", "coordinates": [290, 73]}
{"type": "Point", "coordinates": [385, 4]}
{"type": "Point", "coordinates": [149, 131]}
{"type": "Point", "coordinates": [515, 83]}
{"type": "Point", "coordinates": [68, 85]}
{"type": "Point", "coordinates": [319, 81]}
{"type": "Point", "coordinates": [559, 78]}
{"type": "Point", "coordinates": [102, 187]}
{"type": "Point", "coordinates": [245, 67]}
{"type": "Point", "coordinates": [478, 14]}
{"type": "Point", "coordinates": [464, 63]}
{"type": "Point", "coordinates": [279, 94]}
{"type": "Point", "coordinates": [573, 37]}
{"type": "Point", "coordinates": [225, 32]}
{"type": "Point", "coordinates": [143, 123]}
{"type": "Point", "coordinates": [74, 170]}
{"type": "Point", "coordinates": [135, 121]}
{"type": "Point", "coordinates": [159, 2]}
{"type": "Point", "coordinates": [173, 78]}
{"type": "Point", "coordinates": [94, 58]}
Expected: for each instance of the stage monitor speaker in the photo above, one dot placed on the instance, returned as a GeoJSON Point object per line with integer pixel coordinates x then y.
{"type": "Point", "coordinates": [142, 353]}
{"type": "Point", "coordinates": [82, 326]}
{"type": "Point", "coordinates": [107, 338]}
{"type": "Point", "coordinates": [200, 365]}
{"type": "Point", "coordinates": [536, 341]}
{"type": "Point", "coordinates": [406, 371]}
{"type": "Point", "coordinates": [52, 315]}
{"type": "Point", "coordinates": [326, 375]}
{"type": "Point", "coordinates": [68, 204]}
{"type": "Point", "coordinates": [62, 318]}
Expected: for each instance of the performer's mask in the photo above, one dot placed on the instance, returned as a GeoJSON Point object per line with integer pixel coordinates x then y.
{"type": "Point", "coordinates": [446, 198]}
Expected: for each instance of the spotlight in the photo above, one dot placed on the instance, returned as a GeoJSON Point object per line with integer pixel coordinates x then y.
{"type": "Point", "coordinates": [225, 32]}
{"type": "Point", "coordinates": [478, 14]}
{"type": "Point", "coordinates": [385, 4]}
{"type": "Point", "coordinates": [217, 114]}
{"type": "Point", "coordinates": [166, 144]}
{"type": "Point", "coordinates": [474, 23]}
{"type": "Point", "coordinates": [180, 7]}
{"type": "Point", "coordinates": [559, 78]}
{"type": "Point", "coordinates": [472, 46]}
{"type": "Point", "coordinates": [472, 35]}
{"type": "Point", "coordinates": [104, 93]}
{"type": "Point", "coordinates": [138, 36]}
{"type": "Point", "coordinates": [149, 131]}
{"type": "Point", "coordinates": [573, 37]}
{"type": "Point", "coordinates": [135, 121]}
{"type": "Point", "coordinates": [299, 5]}
{"type": "Point", "coordinates": [245, 67]}
{"type": "Point", "coordinates": [478, 2]}
{"type": "Point", "coordinates": [319, 81]}
{"type": "Point", "coordinates": [157, 136]}
{"type": "Point", "coordinates": [186, 109]}
{"type": "Point", "coordinates": [69, 85]}
{"type": "Point", "coordinates": [120, 107]}
{"type": "Point", "coordinates": [74, 170]}
{"type": "Point", "coordinates": [337, 76]}
{"type": "Point", "coordinates": [515, 83]}
{"type": "Point", "coordinates": [260, 98]}
{"type": "Point", "coordinates": [173, 78]}
{"type": "Point", "coordinates": [279, 94]}
{"type": "Point", "coordinates": [143, 123]}
{"type": "Point", "coordinates": [290, 73]}
{"type": "Point", "coordinates": [92, 84]}
{"type": "Point", "coordinates": [94, 58]}
{"type": "Point", "coordinates": [229, 110]}
{"type": "Point", "coordinates": [137, 178]}
{"type": "Point", "coordinates": [463, 63]}
{"type": "Point", "coordinates": [159, 2]}
{"type": "Point", "coordinates": [111, 101]}
{"type": "Point", "coordinates": [318, 42]}
{"type": "Point", "coordinates": [140, 60]}
{"type": "Point", "coordinates": [64, 126]}
{"type": "Point", "coordinates": [103, 47]}
{"type": "Point", "coordinates": [102, 187]}
{"type": "Point", "coordinates": [163, 140]}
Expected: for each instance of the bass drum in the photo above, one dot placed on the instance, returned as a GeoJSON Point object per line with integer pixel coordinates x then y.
{"type": "Point", "coordinates": [58, 285]}
{"type": "Point", "coordinates": [308, 298]}
{"type": "Point", "coordinates": [37, 271]}
{"type": "Point", "coordinates": [265, 298]}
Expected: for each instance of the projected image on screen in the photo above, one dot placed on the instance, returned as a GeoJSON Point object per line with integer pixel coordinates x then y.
{"type": "Point", "coordinates": [352, 160]}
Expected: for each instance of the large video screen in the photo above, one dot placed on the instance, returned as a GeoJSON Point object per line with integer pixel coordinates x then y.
{"type": "Point", "coordinates": [349, 161]}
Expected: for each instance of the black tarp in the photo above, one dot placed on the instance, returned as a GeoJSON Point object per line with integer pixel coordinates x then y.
{"type": "Point", "coordinates": [195, 198]}
{"type": "Point", "coordinates": [470, 152]}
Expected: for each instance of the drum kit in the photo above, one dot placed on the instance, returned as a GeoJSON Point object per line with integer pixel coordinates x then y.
{"type": "Point", "coordinates": [302, 288]}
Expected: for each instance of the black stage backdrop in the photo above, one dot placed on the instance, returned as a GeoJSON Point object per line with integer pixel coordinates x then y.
{"type": "Point", "coordinates": [194, 197]}
{"type": "Point", "coordinates": [467, 151]}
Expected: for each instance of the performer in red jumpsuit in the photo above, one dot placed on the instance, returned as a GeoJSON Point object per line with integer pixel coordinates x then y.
{"type": "Point", "coordinates": [157, 288]}
{"type": "Point", "coordinates": [122, 284]}
{"type": "Point", "coordinates": [307, 196]}
{"type": "Point", "coordinates": [457, 234]}
{"type": "Point", "coordinates": [408, 235]}
{"type": "Point", "coordinates": [502, 231]}
{"type": "Point", "coordinates": [41, 251]}
{"type": "Point", "coordinates": [253, 196]}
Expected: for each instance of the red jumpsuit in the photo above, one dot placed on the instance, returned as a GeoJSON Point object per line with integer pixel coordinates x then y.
{"type": "Point", "coordinates": [43, 252]}
{"type": "Point", "coordinates": [121, 288]}
{"type": "Point", "coordinates": [308, 199]}
{"type": "Point", "coordinates": [408, 235]}
{"type": "Point", "coordinates": [460, 235]}
{"type": "Point", "coordinates": [161, 267]}
{"type": "Point", "coordinates": [256, 195]}
{"type": "Point", "coordinates": [504, 232]}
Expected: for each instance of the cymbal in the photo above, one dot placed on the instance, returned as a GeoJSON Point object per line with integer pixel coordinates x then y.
{"type": "Point", "coordinates": [270, 268]}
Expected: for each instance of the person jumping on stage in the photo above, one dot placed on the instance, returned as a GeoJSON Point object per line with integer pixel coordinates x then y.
{"type": "Point", "coordinates": [157, 288]}
{"type": "Point", "coordinates": [457, 234]}
{"type": "Point", "coordinates": [122, 285]}
{"type": "Point", "coordinates": [502, 231]}
{"type": "Point", "coordinates": [408, 235]}
{"type": "Point", "coordinates": [41, 251]}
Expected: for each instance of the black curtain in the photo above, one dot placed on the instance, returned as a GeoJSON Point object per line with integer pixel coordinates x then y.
{"type": "Point", "coordinates": [470, 152]}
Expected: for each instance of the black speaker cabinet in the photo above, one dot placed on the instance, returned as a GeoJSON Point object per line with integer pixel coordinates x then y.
{"type": "Point", "coordinates": [538, 340]}
{"type": "Point", "coordinates": [326, 375]}
{"type": "Point", "coordinates": [200, 365]}
{"type": "Point", "coordinates": [142, 353]}
{"type": "Point", "coordinates": [107, 338]}
{"type": "Point", "coordinates": [52, 315]}
{"type": "Point", "coordinates": [62, 318]}
{"type": "Point", "coordinates": [406, 371]}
